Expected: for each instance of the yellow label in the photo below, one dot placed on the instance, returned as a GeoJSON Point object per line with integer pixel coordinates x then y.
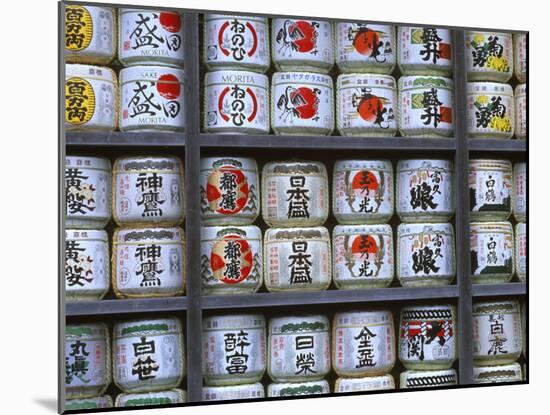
{"type": "Point", "coordinates": [79, 101]}
{"type": "Point", "coordinates": [78, 28]}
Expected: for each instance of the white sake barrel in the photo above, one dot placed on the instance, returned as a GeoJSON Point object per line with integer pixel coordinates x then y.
{"type": "Point", "coordinates": [490, 184]}
{"type": "Point", "coordinates": [491, 252]}
{"type": "Point", "coordinates": [363, 343]}
{"type": "Point", "coordinates": [520, 56]}
{"type": "Point", "coordinates": [520, 99]}
{"type": "Point", "coordinates": [520, 247]}
{"type": "Point", "coordinates": [148, 355]}
{"type": "Point", "coordinates": [426, 106]}
{"type": "Point", "coordinates": [302, 103]}
{"type": "Point", "coordinates": [298, 348]}
{"type": "Point", "coordinates": [425, 51]}
{"type": "Point", "coordinates": [366, 105]}
{"type": "Point", "coordinates": [150, 37]}
{"type": "Point", "coordinates": [519, 194]}
{"type": "Point", "coordinates": [231, 259]}
{"type": "Point", "coordinates": [151, 99]}
{"type": "Point", "coordinates": [87, 192]}
{"type": "Point", "coordinates": [148, 191]}
{"type": "Point", "coordinates": [87, 275]}
{"type": "Point", "coordinates": [90, 34]}
{"type": "Point", "coordinates": [98, 402]}
{"type": "Point", "coordinates": [91, 98]}
{"type": "Point", "coordinates": [234, 349]}
{"type": "Point", "coordinates": [425, 190]}
{"type": "Point", "coordinates": [498, 374]}
{"type": "Point", "coordinates": [489, 56]}
{"type": "Point", "coordinates": [167, 397]}
{"type": "Point", "coordinates": [425, 254]}
{"type": "Point", "coordinates": [283, 390]}
{"type": "Point", "coordinates": [496, 332]}
{"type": "Point", "coordinates": [362, 191]}
{"type": "Point", "coordinates": [236, 102]}
{"type": "Point", "coordinates": [490, 110]}
{"type": "Point", "coordinates": [411, 379]}
{"type": "Point", "coordinates": [428, 337]}
{"type": "Point", "coordinates": [235, 42]}
{"type": "Point", "coordinates": [230, 191]}
{"type": "Point", "coordinates": [297, 259]}
{"type": "Point", "coordinates": [295, 193]}
{"type": "Point", "coordinates": [362, 47]}
{"type": "Point", "coordinates": [302, 45]}
{"type": "Point", "coordinates": [87, 360]}
{"type": "Point", "coordinates": [362, 256]}
{"type": "Point", "coordinates": [229, 393]}
{"type": "Point", "coordinates": [366, 384]}
{"type": "Point", "coordinates": [148, 262]}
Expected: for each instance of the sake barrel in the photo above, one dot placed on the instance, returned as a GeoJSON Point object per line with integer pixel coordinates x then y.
{"type": "Point", "coordinates": [234, 349]}
{"type": "Point", "coordinates": [295, 193]}
{"type": "Point", "coordinates": [230, 191]}
{"type": "Point", "coordinates": [412, 379]}
{"type": "Point", "coordinates": [425, 254]}
{"type": "Point", "coordinates": [87, 192]}
{"type": "Point", "coordinates": [425, 51]}
{"type": "Point", "coordinates": [362, 191]}
{"type": "Point", "coordinates": [148, 355]}
{"type": "Point", "coordinates": [496, 332]}
{"type": "Point", "coordinates": [489, 56]}
{"type": "Point", "coordinates": [426, 106]}
{"type": "Point", "coordinates": [498, 374]}
{"type": "Point", "coordinates": [98, 402]}
{"type": "Point", "coordinates": [427, 337]}
{"type": "Point", "coordinates": [366, 384]}
{"type": "Point", "coordinates": [362, 47]}
{"type": "Point", "coordinates": [236, 102]}
{"type": "Point", "coordinates": [490, 185]}
{"type": "Point", "coordinates": [90, 34]}
{"type": "Point", "coordinates": [150, 37]}
{"type": "Point", "coordinates": [87, 274]}
{"type": "Point", "coordinates": [231, 259]}
{"type": "Point", "coordinates": [520, 247]}
{"type": "Point", "coordinates": [302, 103]}
{"type": "Point", "coordinates": [299, 348]}
{"type": "Point", "coordinates": [87, 360]}
{"type": "Point", "coordinates": [91, 98]}
{"type": "Point", "coordinates": [167, 397]}
{"type": "Point", "coordinates": [283, 390]}
{"type": "Point", "coordinates": [520, 99]}
{"type": "Point", "coordinates": [148, 191]}
{"type": "Point", "coordinates": [148, 262]}
{"type": "Point", "coordinates": [229, 393]}
{"type": "Point", "coordinates": [519, 194]}
{"type": "Point", "coordinates": [302, 45]}
{"type": "Point", "coordinates": [151, 99]}
{"type": "Point", "coordinates": [235, 42]}
{"type": "Point", "coordinates": [491, 252]}
{"type": "Point", "coordinates": [362, 256]}
{"type": "Point", "coordinates": [489, 110]}
{"type": "Point", "coordinates": [520, 56]}
{"type": "Point", "coordinates": [297, 259]}
{"type": "Point", "coordinates": [425, 190]}
{"type": "Point", "coordinates": [366, 105]}
{"type": "Point", "coordinates": [363, 343]}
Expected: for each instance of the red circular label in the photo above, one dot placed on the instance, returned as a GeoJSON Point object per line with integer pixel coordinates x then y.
{"type": "Point", "coordinates": [168, 86]}
{"type": "Point", "coordinates": [227, 190]}
{"type": "Point", "coordinates": [171, 22]}
{"type": "Point", "coordinates": [365, 41]}
{"type": "Point", "coordinates": [304, 35]}
{"type": "Point", "coordinates": [231, 259]}
{"type": "Point", "coordinates": [364, 245]}
{"type": "Point", "coordinates": [369, 107]}
{"type": "Point", "coordinates": [365, 179]}
{"type": "Point", "coordinates": [308, 105]}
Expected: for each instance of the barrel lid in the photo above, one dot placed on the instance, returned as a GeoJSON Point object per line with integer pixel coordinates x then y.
{"type": "Point", "coordinates": [361, 229]}
{"type": "Point", "coordinates": [488, 87]}
{"type": "Point", "coordinates": [86, 331]}
{"type": "Point", "coordinates": [152, 163]}
{"type": "Point", "coordinates": [214, 16]}
{"type": "Point", "coordinates": [489, 307]}
{"type": "Point", "coordinates": [363, 164]}
{"type": "Point", "coordinates": [233, 321]}
{"type": "Point", "coordinates": [282, 234]}
{"type": "Point", "coordinates": [372, 80]}
{"type": "Point", "coordinates": [146, 72]}
{"type": "Point", "coordinates": [86, 234]}
{"type": "Point", "coordinates": [122, 235]}
{"type": "Point", "coordinates": [90, 72]}
{"type": "Point", "coordinates": [215, 232]}
{"type": "Point", "coordinates": [150, 326]}
{"type": "Point", "coordinates": [298, 324]}
{"type": "Point", "coordinates": [244, 163]}
{"type": "Point", "coordinates": [293, 167]}
{"type": "Point", "coordinates": [84, 162]}
{"type": "Point", "coordinates": [424, 81]}
{"type": "Point", "coordinates": [424, 227]}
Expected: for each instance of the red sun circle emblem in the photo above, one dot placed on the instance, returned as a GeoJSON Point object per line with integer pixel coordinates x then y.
{"type": "Point", "coordinates": [168, 86]}
{"type": "Point", "coordinates": [171, 22]}
{"type": "Point", "coordinates": [365, 41]}
{"type": "Point", "coordinates": [364, 245]}
{"type": "Point", "coordinates": [304, 36]}
{"type": "Point", "coordinates": [227, 190]}
{"type": "Point", "coordinates": [365, 179]}
{"type": "Point", "coordinates": [369, 107]}
{"type": "Point", "coordinates": [311, 102]}
{"type": "Point", "coordinates": [242, 255]}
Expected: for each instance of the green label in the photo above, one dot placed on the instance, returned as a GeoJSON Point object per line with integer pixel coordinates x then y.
{"type": "Point", "coordinates": [145, 327]}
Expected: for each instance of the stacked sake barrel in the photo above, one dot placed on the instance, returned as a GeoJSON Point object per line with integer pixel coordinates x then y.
{"type": "Point", "coordinates": [147, 47]}
{"type": "Point", "coordinates": [494, 110]}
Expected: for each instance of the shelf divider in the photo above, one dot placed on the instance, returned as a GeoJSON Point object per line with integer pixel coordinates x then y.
{"type": "Point", "coordinates": [129, 139]}
{"type": "Point", "coordinates": [496, 290]}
